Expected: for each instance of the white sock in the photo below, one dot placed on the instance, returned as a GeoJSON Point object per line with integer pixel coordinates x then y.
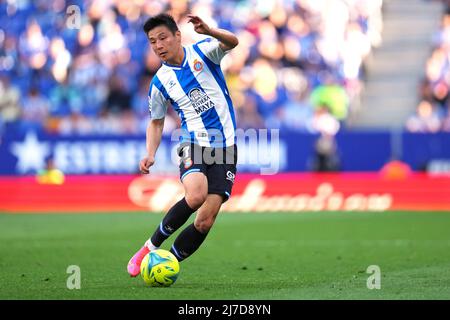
{"type": "Point", "coordinates": [150, 245]}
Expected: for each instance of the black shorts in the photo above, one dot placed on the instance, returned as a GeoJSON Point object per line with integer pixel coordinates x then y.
{"type": "Point", "coordinates": [217, 164]}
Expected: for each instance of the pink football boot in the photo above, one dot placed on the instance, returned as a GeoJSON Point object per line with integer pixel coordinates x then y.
{"type": "Point", "coordinates": [134, 265]}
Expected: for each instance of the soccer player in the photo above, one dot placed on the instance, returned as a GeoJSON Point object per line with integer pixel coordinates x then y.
{"type": "Point", "coordinates": [191, 80]}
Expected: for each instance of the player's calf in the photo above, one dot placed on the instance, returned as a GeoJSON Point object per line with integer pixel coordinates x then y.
{"type": "Point", "coordinates": [204, 224]}
{"type": "Point", "coordinates": [174, 219]}
{"type": "Point", "coordinates": [187, 242]}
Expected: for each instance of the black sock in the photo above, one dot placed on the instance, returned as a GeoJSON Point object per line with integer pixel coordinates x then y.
{"type": "Point", "coordinates": [187, 242]}
{"type": "Point", "coordinates": [175, 218]}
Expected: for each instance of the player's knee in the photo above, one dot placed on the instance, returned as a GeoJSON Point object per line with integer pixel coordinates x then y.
{"type": "Point", "coordinates": [195, 200]}
{"type": "Point", "coordinates": [204, 225]}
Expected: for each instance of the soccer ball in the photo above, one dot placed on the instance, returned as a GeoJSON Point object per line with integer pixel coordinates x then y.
{"type": "Point", "coordinates": [160, 268]}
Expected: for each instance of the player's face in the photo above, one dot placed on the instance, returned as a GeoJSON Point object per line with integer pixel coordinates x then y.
{"type": "Point", "coordinates": [164, 43]}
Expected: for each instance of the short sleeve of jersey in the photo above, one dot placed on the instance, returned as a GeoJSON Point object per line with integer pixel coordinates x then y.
{"type": "Point", "coordinates": [210, 48]}
{"type": "Point", "coordinates": [157, 103]}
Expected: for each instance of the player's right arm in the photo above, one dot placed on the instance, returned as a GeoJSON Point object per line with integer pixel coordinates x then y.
{"type": "Point", "coordinates": [154, 134]}
{"type": "Point", "coordinates": [157, 105]}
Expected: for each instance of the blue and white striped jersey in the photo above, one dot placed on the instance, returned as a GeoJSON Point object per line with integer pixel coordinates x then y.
{"type": "Point", "coordinates": [198, 93]}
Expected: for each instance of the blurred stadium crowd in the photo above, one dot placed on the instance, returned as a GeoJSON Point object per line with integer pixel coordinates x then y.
{"type": "Point", "coordinates": [433, 111]}
{"type": "Point", "coordinates": [299, 65]}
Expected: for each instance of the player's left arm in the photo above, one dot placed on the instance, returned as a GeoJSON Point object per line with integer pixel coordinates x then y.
{"type": "Point", "coordinates": [227, 39]}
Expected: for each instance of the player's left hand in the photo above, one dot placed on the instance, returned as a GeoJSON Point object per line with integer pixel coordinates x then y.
{"type": "Point", "coordinates": [199, 25]}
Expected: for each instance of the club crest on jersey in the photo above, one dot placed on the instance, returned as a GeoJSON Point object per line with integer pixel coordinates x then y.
{"type": "Point", "coordinates": [198, 65]}
{"type": "Point", "coordinates": [200, 100]}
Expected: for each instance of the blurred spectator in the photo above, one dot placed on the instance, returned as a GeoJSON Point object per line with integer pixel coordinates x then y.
{"type": "Point", "coordinates": [269, 95]}
{"type": "Point", "coordinates": [118, 100]}
{"type": "Point", "coordinates": [9, 101]}
{"type": "Point", "coordinates": [297, 111]}
{"type": "Point", "coordinates": [446, 120]}
{"type": "Point", "coordinates": [65, 99]}
{"type": "Point", "coordinates": [325, 157]}
{"type": "Point", "coordinates": [35, 108]}
{"type": "Point", "coordinates": [248, 116]}
{"type": "Point", "coordinates": [333, 96]}
{"type": "Point", "coordinates": [426, 118]}
{"type": "Point", "coordinates": [324, 122]}
{"type": "Point", "coordinates": [140, 98]}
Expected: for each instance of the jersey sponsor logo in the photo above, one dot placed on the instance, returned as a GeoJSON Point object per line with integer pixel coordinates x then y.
{"type": "Point", "coordinates": [198, 65]}
{"type": "Point", "coordinates": [200, 100]}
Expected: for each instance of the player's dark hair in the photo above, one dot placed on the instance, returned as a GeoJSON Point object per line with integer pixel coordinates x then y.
{"type": "Point", "coordinates": [164, 19]}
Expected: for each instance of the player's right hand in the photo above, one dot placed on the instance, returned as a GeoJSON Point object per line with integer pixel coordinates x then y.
{"type": "Point", "coordinates": [145, 164]}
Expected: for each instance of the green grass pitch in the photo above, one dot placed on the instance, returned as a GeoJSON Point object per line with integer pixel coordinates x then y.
{"type": "Point", "coordinates": [246, 256]}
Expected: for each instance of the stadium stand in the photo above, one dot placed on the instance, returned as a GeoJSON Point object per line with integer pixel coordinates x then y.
{"type": "Point", "coordinates": [393, 71]}
{"type": "Point", "coordinates": [433, 111]}
{"type": "Point", "coordinates": [297, 61]}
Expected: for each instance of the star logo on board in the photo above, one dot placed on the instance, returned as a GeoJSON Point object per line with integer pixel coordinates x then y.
{"type": "Point", "coordinates": [30, 153]}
